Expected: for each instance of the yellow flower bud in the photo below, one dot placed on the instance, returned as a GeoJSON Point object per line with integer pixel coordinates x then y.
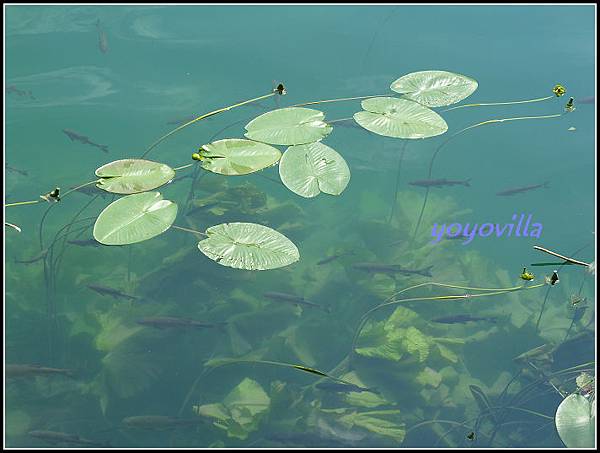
{"type": "Point", "coordinates": [559, 90]}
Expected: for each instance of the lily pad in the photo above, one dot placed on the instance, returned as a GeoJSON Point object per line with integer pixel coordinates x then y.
{"type": "Point", "coordinates": [308, 170]}
{"type": "Point", "coordinates": [576, 422]}
{"type": "Point", "coordinates": [399, 118]}
{"type": "Point", "coordinates": [289, 126]}
{"type": "Point", "coordinates": [235, 156]}
{"type": "Point", "coordinates": [248, 246]}
{"type": "Point", "coordinates": [129, 176]}
{"type": "Point", "coordinates": [134, 218]}
{"type": "Point", "coordinates": [434, 88]}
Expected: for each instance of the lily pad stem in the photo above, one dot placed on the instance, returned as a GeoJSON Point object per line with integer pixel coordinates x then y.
{"type": "Point", "coordinates": [189, 230]}
{"type": "Point", "coordinates": [201, 117]}
{"type": "Point", "coordinates": [527, 101]}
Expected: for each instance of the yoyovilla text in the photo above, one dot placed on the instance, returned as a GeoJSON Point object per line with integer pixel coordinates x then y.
{"type": "Point", "coordinates": [457, 231]}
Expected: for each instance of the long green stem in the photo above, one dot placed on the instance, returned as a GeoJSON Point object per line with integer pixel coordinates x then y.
{"type": "Point", "coordinates": [566, 258]}
{"type": "Point", "coordinates": [224, 362]}
{"type": "Point", "coordinates": [537, 324]}
{"type": "Point", "coordinates": [377, 30]}
{"type": "Point", "coordinates": [54, 265]}
{"type": "Point", "coordinates": [201, 117]}
{"type": "Point", "coordinates": [439, 148]}
{"type": "Point", "coordinates": [20, 203]}
{"type": "Point", "coordinates": [527, 101]}
{"type": "Point", "coordinates": [400, 159]}
{"type": "Point", "coordinates": [446, 285]}
{"type": "Point", "coordinates": [326, 101]}
{"type": "Point", "coordinates": [282, 364]}
{"type": "Point", "coordinates": [189, 230]}
{"type": "Point", "coordinates": [79, 187]}
{"type": "Point", "coordinates": [364, 318]}
{"type": "Point", "coordinates": [182, 167]}
{"type": "Point", "coordinates": [528, 411]}
{"type": "Point", "coordinates": [340, 120]}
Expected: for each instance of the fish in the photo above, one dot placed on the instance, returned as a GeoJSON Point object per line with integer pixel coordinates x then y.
{"type": "Point", "coordinates": [56, 437]}
{"type": "Point", "coordinates": [22, 370]}
{"type": "Point", "coordinates": [35, 259]}
{"type": "Point", "coordinates": [91, 191]}
{"type": "Point", "coordinates": [521, 189]}
{"type": "Point", "coordinates": [461, 319]}
{"type": "Point", "coordinates": [83, 139]}
{"type": "Point", "coordinates": [338, 387]}
{"type": "Point", "coordinates": [16, 170]}
{"type": "Point", "coordinates": [115, 293]}
{"type": "Point", "coordinates": [296, 300]}
{"type": "Point", "coordinates": [439, 183]}
{"type": "Point", "coordinates": [587, 100]}
{"type": "Point", "coordinates": [13, 89]}
{"type": "Point", "coordinates": [391, 269]}
{"type": "Point", "coordinates": [329, 259]}
{"type": "Point", "coordinates": [102, 39]}
{"type": "Point", "coordinates": [85, 243]}
{"type": "Point", "coordinates": [159, 422]}
{"type": "Point", "coordinates": [163, 322]}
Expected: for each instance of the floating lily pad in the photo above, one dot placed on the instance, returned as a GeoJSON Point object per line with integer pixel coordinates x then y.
{"type": "Point", "coordinates": [434, 88]}
{"type": "Point", "coordinates": [235, 156]}
{"type": "Point", "coordinates": [308, 170]}
{"type": "Point", "coordinates": [399, 118]}
{"type": "Point", "coordinates": [289, 126]}
{"type": "Point", "coordinates": [134, 218]}
{"type": "Point", "coordinates": [576, 422]}
{"type": "Point", "coordinates": [248, 246]}
{"type": "Point", "coordinates": [129, 176]}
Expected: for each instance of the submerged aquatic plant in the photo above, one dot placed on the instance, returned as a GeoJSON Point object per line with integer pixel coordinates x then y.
{"type": "Point", "coordinates": [241, 411]}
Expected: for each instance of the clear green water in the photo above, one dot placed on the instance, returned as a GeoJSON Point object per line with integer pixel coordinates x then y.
{"type": "Point", "coordinates": [167, 63]}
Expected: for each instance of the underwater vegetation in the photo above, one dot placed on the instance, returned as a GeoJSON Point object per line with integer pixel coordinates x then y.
{"type": "Point", "coordinates": [402, 374]}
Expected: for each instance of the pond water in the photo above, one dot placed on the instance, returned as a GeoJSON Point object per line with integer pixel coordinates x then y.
{"type": "Point", "coordinates": [136, 329]}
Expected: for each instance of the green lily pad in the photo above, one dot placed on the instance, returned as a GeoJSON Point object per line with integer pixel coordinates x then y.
{"type": "Point", "coordinates": [235, 156]}
{"type": "Point", "coordinates": [289, 126]}
{"type": "Point", "coordinates": [134, 218]}
{"type": "Point", "coordinates": [576, 422]}
{"type": "Point", "coordinates": [399, 118]}
{"type": "Point", "coordinates": [308, 170]}
{"type": "Point", "coordinates": [129, 176]}
{"type": "Point", "coordinates": [434, 88]}
{"type": "Point", "coordinates": [248, 246]}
